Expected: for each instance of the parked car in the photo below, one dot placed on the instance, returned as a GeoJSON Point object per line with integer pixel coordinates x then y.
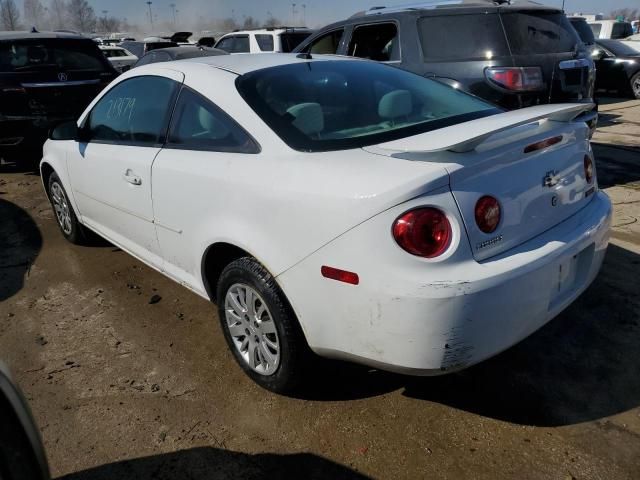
{"type": "Point", "coordinates": [264, 40]}
{"type": "Point", "coordinates": [618, 67]}
{"type": "Point", "coordinates": [178, 53]}
{"type": "Point", "coordinates": [45, 79]}
{"type": "Point", "coordinates": [341, 205]}
{"type": "Point", "coordinates": [611, 29]}
{"type": "Point", "coordinates": [121, 59]}
{"type": "Point", "coordinates": [140, 48]}
{"type": "Point", "coordinates": [584, 31]}
{"type": "Point", "coordinates": [513, 55]}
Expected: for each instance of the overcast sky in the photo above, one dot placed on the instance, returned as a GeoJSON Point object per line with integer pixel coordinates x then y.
{"type": "Point", "coordinates": [318, 12]}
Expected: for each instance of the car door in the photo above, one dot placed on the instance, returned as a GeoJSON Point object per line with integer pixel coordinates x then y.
{"type": "Point", "coordinates": [193, 177]}
{"type": "Point", "coordinates": [110, 167]}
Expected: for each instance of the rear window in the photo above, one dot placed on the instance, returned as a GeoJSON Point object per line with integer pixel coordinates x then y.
{"type": "Point", "coordinates": [584, 32]}
{"type": "Point", "coordinates": [336, 105]}
{"type": "Point", "coordinates": [531, 33]}
{"type": "Point", "coordinates": [462, 37]}
{"type": "Point", "coordinates": [621, 30]}
{"type": "Point", "coordinates": [289, 41]}
{"type": "Point", "coordinates": [37, 55]}
{"type": "Point", "coordinates": [115, 53]}
{"type": "Point", "coordinates": [265, 42]}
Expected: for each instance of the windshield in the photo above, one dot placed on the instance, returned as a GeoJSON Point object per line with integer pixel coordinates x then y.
{"type": "Point", "coordinates": [537, 32]}
{"type": "Point", "coordinates": [36, 55]}
{"type": "Point", "coordinates": [335, 105]}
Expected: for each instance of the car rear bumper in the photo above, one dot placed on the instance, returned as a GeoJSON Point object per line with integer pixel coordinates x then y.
{"type": "Point", "coordinates": [428, 324]}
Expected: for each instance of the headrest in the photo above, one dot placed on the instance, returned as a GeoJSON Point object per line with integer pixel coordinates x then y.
{"type": "Point", "coordinates": [395, 104]}
{"type": "Point", "coordinates": [309, 118]}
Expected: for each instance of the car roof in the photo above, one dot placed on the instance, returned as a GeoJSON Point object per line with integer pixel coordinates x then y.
{"type": "Point", "coordinates": [250, 62]}
{"type": "Point", "coordinates": [25, 35]}
{"type": "Point", "coordinates": [189, 51]}
{"type": "Point", "coordinates": [271, 30]}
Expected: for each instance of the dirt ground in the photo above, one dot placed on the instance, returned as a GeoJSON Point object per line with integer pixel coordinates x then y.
{"type": "Point", "coordinates": [125, 389]}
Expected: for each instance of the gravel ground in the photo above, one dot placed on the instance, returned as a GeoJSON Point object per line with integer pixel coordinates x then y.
{"type": "Point", "coordinates": [123, 388]}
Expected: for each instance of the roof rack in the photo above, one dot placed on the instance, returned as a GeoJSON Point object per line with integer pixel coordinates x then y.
{"type": "Point", "coordinates": [432, 4]}
{"type": "Point", "coordinates": [269, 28]}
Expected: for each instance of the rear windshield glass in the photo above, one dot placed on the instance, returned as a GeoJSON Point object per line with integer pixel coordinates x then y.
{"type": "Point", "coordinates": [37, 55]}
{"type": "Point", "coordinates": [539, 33]}
{"type": "Point", "coordinates": [468, 37]}
{"type": "Point", "coordinates": [289, 41]}
{"type": "Point", "coordinates": [334, 105]}
{"type": "Point", "coordinates": [585, 33]}
{"type": "Point", "coordinates": [621, 30]}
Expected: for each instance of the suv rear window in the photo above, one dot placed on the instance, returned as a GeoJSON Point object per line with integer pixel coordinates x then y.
{"type": "Point", "coordinates": [289, 41]}
{"type": "Point", "coordinates": [539, 32]}
{"type": "Point", "coordinates": [38, 55]}
{"type": "Point", "coordinates": [621, 30]}
{"type": "Point", "coordinates": [462, 37]}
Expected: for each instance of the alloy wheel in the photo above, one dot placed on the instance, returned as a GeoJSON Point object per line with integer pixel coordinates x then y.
{"type": "Point", "coordinates": [61, 207]}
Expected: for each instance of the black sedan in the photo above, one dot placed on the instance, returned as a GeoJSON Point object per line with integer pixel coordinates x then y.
{"type": "Point", "coordinates": [618, 67]}
{"type": "Point", "coordinates": [178, 53]}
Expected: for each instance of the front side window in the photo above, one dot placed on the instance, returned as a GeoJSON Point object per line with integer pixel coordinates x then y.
{"type": "Point", "coordinates": [225, 44]}
{"type": "Point", "coordinates": [335, 105]}
{"type": "Point", "coordinates": [290, 40]}
{"type": "Point", "coordinates": [265, 42]}
{"type": "Point", "coordinates": [326, 44]}
{"type": "Point", "coordinates": [376, 42]}
{"type": "Point", "coordinates": [241, 44]}
{"type": "Point", "coordinates": [134, 112]}
{"type": "Point", "coordinates": [200, 125]}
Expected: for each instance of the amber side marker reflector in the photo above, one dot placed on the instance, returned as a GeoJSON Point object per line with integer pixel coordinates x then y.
{"type": "Point", "coordinates": [340, 275]}
{"type": "Point", "coordinates": [542, 144]}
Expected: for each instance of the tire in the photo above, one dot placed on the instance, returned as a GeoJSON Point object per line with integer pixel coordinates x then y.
{"type": "Point", "coordinates": [635, 85]}
{"type": "Point", "coordinates": [66, 218]}
{"type": "Point", "coordinates": [251, 338]}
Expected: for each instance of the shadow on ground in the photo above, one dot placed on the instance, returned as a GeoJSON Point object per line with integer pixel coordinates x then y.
{"type": "Point", "coordinates": [20, 244]}
{"type": "Point", "coordinates": [217, 464]}
{"type": "Point", "coordinates": [582, 366]}
{"type": "Point", "coordinates": [616, 166]}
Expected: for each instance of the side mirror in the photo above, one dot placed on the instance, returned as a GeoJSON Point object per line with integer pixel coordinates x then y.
{"type": "Point", "coordinates": [598, 54]}
{"type": "Point", "coordinates": [65, 131]}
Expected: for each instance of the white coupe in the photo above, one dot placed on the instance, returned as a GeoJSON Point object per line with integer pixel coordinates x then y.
{"type": "Point", "coordinates": [338, 206]}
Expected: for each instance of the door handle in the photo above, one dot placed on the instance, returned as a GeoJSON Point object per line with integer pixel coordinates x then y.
{"type": "Point", "coordinates": [128, 176]}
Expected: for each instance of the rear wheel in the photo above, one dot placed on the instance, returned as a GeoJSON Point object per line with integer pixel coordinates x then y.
{"type": "Point", "coordinates": [260, 326]}
{"type": "Point", "coordinates": [65, 216]}
{"type": "Point", "coordinates": [635, 85]}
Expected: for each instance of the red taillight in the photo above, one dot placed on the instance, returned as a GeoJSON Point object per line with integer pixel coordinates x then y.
{"type": "Point", "coordinates": [340, 275]}
{"type": "Point", "coordinates": [588, 169]}
{"type": "Point", "coordinates": [517, 79]}
{"type": "Point", "coordinates": [488, 214]}
{"type": "Point", "coordinates": [542, 144]}
{"type": "Point", "coordinates": [425, 232]}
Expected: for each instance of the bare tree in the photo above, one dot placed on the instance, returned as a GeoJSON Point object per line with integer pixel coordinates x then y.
{"type": "Point", "coordinates": [273, 22]}
{"type": "Point", "coordinates": [81, 15]}
{"type": "Point", "coordinates": [108, 24]}
{"type": "Point", "coordinates": [34, 14]}
{"type": "Point", "coordinates": [626, 13]}
{"type": "Point", "coordinates": [9, 15]}
{"type": "Point", "coordinates": [249, 23]}
{"type": "Point", "coordinates": [58, 9]}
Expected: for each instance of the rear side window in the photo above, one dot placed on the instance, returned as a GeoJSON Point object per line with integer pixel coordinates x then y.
{"type": "Point", "coordinates": [289, 41]}
{"type": "Point", "coordinates": [134, 112]}
{"type": "Point", "coordinates": [462, 37]}
{"type": "Point", "coordinates": [60, 55]}
{"type": "Point", "coordinates": [326, 44]}
{"type": "Point", "coordinates": [539, 33]}
{"type": "Point", "coordinates": [265, 42]}
{"type": "Point", "coordinates": [200, 125]}
{"type": "Point", "coordinates": [376, 42]}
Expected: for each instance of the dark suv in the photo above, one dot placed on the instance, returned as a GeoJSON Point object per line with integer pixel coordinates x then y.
{"type": "Point", "coordinates": [45, 79]}
{"type": "Point", "coordinates": [512, 55]}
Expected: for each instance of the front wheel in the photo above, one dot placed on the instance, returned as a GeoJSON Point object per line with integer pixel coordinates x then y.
{"type": "Point", "coordinates": [635, 85]}
{"type": "Point", "coordinates": [260, 326]}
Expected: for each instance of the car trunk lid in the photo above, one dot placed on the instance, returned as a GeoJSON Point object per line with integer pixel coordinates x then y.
{"type": "Point", "coordinates": [538, 185]}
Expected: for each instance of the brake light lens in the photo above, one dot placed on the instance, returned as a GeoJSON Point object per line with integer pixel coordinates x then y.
{"type": "Point", "coordinates": [424, 232]}
{"type": "Point", "coordinates": [588, 169]}
{"type": "Point", "coordinates": [488, 214]}
{"type": "Point", "coordinates": [542, 144]}
{"type": "Point", "coordinates": [516, 79]}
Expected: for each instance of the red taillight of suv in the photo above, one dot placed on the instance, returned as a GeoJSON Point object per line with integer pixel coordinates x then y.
{"type": "Point", "coordinates": [487, 213]}
{"type": "Point", "coordinates": [424, 232]}
{"type": "Point", "coordinates": [588, 169]}
{"type": "Point", "coordinates": [516, 79]}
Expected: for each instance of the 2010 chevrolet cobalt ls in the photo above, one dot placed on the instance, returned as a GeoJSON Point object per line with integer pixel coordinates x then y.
{"type": "Point", "coordinates": [342, 206]}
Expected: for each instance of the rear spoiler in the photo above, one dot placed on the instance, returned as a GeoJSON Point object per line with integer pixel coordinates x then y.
{"type": "Point", "coordinates": [466, 136]}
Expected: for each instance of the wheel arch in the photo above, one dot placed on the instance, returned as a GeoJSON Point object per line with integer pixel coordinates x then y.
{"type": "Point", "coordinates": [214, 260]}
{"type": "Point", "coordinates": [46, 170]}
